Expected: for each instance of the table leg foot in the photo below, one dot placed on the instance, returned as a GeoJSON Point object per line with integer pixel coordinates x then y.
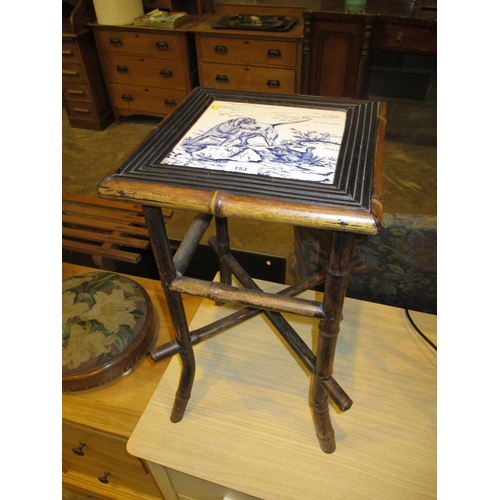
{"type": "Point", "coordinates": [323, 424]}
{"type": "Point", "coordinates": [178, 408]}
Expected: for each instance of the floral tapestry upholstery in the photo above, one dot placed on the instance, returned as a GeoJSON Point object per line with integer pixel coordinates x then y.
{"type": "Point", "coordinates": [105, 316]}
{"type": "Point", "coordinates": [397, 266]}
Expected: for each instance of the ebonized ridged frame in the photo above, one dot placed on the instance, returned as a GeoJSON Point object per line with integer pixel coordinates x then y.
{"type": "Point", "coordinates": [353, 182]}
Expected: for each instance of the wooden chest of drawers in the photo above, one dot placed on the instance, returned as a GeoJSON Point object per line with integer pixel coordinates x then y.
{"type": "Point", "coordinates": [100, 460]}
{"type": "Point", "coordinates": [97, 423]}
{"type": "Point", "coordinates": [147, 71]}
{"type": "Point", "coordinates": [83, 89]}
{"type": "Point", "coordinates": [249, 60]}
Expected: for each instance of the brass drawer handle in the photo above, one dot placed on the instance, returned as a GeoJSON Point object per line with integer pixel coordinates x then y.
{"type": "Point", "coordinates": [274, 53]}
{"type": "Point", "coordinates": [166, 73]}
{"type": "Point", "coordinates": [221, 78]}
{"type": "Point", "coordinates": [81, 110]}
{"type": "Point", "coordinates": [273, 83]}
{"type": "Point", "coordinates": [127, 97]}
{"type": "Point", "coordinates": [162, 45]}
{"type": "Point", "coordinates": [67, 53]}
{"type": "Point", "coordinates": [104, 478]}
{"type": "Point", "coordinates": [220, 49]}
{"type": "Point", "coordinates": [70, 73]}
{"type": "Point", "coordinates": [116, 42]}
{"type": "Point", "coordinates": [399, 39]}
{"type": "Point", "coordinates": [79, 451]}
{"type": "Point", "coordinates": [170, 102]}
{"type": "Point", "coordinates": [122, 69]}
{"type": "Point", "coordinates": [76, 92]}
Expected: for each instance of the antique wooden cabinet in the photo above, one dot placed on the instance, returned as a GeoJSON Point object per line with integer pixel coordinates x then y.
{"type": "Point", "coordinates": [338, 46]}
{"type": "Point", "coordinates": [339, 50]}
{"type": "Point", "coordinates": [83, 89]}
{"type": "Point", "coordinates": [260, 61]}
{"type": "Point", "coordinates": [147, 70]}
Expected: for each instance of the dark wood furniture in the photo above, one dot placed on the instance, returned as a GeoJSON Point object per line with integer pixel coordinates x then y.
{"type": "Point", "coordinates": [258, 61]}
{"type": "Point", "coordinates": [352, 204]}
{"type": "Point", "coordinates": [84, 92]}
{"type": "Point", "coordinates": [338, 46]}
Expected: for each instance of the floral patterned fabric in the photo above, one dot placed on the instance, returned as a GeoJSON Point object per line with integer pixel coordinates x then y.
{"type": "Point", "coordinates": [397, 266]}
{"type": "Point", "coordinates": [102, 314]}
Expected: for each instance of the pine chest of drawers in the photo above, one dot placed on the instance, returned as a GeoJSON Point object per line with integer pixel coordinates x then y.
{"type": "Point", "coordinates": [97, 423]}
{"type": "Point", "coordinates": [98, 462]}
{"type": "Point", "coordinates": [147, 70]}
{"type": "Point", "coordinates": [249, 60]}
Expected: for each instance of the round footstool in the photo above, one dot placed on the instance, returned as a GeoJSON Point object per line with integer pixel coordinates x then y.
{"type": "Point", "coordinates": [107, 327]}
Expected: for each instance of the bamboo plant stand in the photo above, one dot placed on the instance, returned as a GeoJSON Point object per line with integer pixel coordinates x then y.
{"type": "Point", "coordinates": [350, 205]}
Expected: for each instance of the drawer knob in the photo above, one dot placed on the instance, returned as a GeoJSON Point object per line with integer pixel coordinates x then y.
{"type": "Point", "coordinates": [127, 97]}
{"type": "Point", "coordinates": [67, 53]}
{"type": "Point", "coordinates": [166, 73]}
{"type": "Point", "coordinates": [220, 49]}
{"type": "Point", "coordinates": [399, 39]}
{"type": "Point", "coordinates": [273, 83]}
{"type": "Point", "coordinates": [162, 45]}
{"type": "Point", "coordinates": [116, 42]}
{"type": "Point", "coordinates": [79, 451]}
{"type": "Point", "coordinates": [122, 69]}
{"type": "Point", "coordinates": [170, 102]}
{"type": "Point", "coordinates": [274, 53]}
{"type": "Point", "coordinates": [104, 478]}
{"type": "Point", "coordinates": [221, 78]}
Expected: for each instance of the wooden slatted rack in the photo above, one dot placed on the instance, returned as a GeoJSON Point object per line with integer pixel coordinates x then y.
{"type": "Point", "coordinates": [107, 230]}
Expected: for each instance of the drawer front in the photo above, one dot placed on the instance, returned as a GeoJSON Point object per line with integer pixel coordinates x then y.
{"type": "Point", "coordinates": [190, 487]}
{"type": "Point", "coordinates": [154, 72]}
{"type": "Point", "coordinates": [73, 72]}
{"type": "Point", "coordinates": [150, 44]}
{"type": "Point", "coordinates": [247, 51]}
{"type": "Point", "coordinates": [145, 99]}
{"type": "Point", "coordinates": [251, 78]}
{"type": "Point", "coordinates": [70, 50]}
{"type": "Point", "coordinates": [104, 458]}
{"type": "Point", "coordinates": [407, 38]}
{"type": "Point", "coordinates": [74, 90]}
{"type": "Point", "coordinates": [81, 109]}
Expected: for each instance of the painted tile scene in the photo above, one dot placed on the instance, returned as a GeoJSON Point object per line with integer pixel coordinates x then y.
{"type": "Point", "coordinates": [274, 141]}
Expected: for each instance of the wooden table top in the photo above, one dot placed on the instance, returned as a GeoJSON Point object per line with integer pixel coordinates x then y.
{"type": "Point", "coordinates": [352, 202]}
{"type": "Point", "coordinates": [248, 425]}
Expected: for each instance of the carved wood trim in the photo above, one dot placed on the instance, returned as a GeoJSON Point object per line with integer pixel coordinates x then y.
{"type": "Point", "coordinates": [364, 60]}
{"type": "Point", "coordinates": [306, 53]}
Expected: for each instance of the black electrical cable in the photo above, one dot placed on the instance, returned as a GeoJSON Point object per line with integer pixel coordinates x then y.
{"type": "Point", "coordinates": [418, 330]}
